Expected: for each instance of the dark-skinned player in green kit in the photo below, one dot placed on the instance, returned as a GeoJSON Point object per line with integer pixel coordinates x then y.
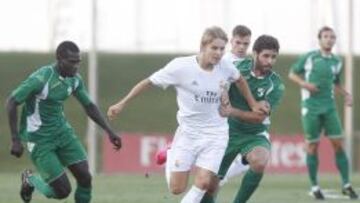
{"type": "Point", "coordinates": [49, 138]}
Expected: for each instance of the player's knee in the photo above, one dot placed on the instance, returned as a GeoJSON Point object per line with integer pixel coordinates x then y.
{"type": "Point", "coordinates": [338, 149]}
{"type": "Point", "coordinates": [211, 186]}
{"type": "Point", "coordinates": [258, 168]}
{"type": "Point", "coordinates": [337, 145]}
{"type": "Point", "coordinates": [177, 189]}
{"type": "Point", "coordinates": [312, 148]}
{"type": "Point", "coordinates": [85, 180]}
{"type": "Point", "coordinates": [212, 189]}
{"type": "Point", "coordinates": [62, 192]}
{"type": "Point", "coordinates": [259, 164]}
{"type": "Point", "coordinates": [204, 185]}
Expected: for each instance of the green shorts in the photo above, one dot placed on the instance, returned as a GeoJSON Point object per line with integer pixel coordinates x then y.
{"type": "Point", "coordinates": [51, 156]}
{"type": "Point", "coordinates": [242, 144]}
{"type": "Point", "coordinates": [314, 122]}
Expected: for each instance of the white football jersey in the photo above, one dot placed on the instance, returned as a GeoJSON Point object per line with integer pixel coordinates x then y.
{"type": "Point", "coordinates": [232, 58]}
{"type": "Point", "coordinates": [198, 92]}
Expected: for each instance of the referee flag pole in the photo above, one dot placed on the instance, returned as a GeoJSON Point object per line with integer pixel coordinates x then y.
{"type": "Point", "coordinates": [93, 83]}
{"type": "Point", "coordinates": [348, 112]}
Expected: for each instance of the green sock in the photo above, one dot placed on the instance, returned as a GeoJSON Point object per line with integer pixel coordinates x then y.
{"type": "Point", "coordinates": [312, 163]}
{"type": "Point", "coordinates": [207, 199]}
{"type": "Point", "coordinates": [248, 186]}
{"type": "Point", "coordinates": [41, 186]}
{"type": "Point", "coordinates": [82, 194]}
{"type": "Point", "coordinates": [342, 164]}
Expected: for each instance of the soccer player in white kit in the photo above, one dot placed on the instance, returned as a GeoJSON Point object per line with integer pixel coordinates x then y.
{"type": "Point", "coordinates": [202, 135]}
{"type": "Point", "coordinates": [240, 41]}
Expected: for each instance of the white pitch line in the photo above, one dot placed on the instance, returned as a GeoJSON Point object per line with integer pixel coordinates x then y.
{"type": "Point", "coordinates": [333, 194]}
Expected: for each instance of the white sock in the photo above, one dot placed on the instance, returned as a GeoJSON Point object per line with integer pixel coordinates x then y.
{"type": "Point", "coordinates": [223, 181]}
{"type": "Point", "coordinates": [315, 188]}
{"type": "Point", "coordinates": [194, 195]}
{"type": "Point", "coordinates": [346, 185]}
{"type": "Point", "coordinates": [167, 168]}
{"type": "Point", "coordinates": [235, 169]}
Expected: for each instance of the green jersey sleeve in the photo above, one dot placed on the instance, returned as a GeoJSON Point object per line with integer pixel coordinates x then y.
{"type": "Point", "coordinates": [299, 66]}
{"type": "Point", "coordinates": [81, 93]}
{"type": "Point", "coordinates": [275, 95]}
{"type": "Point", "coordinates": [30, 86]}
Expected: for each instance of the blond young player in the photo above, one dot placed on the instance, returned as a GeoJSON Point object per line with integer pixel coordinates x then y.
{"type": "Point", "coordinates": [202, 134]}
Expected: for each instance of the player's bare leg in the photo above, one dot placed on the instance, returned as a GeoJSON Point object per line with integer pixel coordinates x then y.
{"type": "Point", "coordinates": [178, 182]}
{"type": "Point", "coordinates": [61, 187]}
{"type": "Point", "coordinates": [202, 182]}
{"type": "Point", "coordinates": [258, 159]}
{"type": "Point", "coordinates": [83, 179]}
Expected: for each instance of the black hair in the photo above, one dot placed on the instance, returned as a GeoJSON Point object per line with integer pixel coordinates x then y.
{"type": "Point", "coordinates": [266, 42]}
{"type": "Point", "coordinates": [66, 46]}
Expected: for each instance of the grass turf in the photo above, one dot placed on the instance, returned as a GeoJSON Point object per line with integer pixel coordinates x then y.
{"type": "Point", "coordinates": [125, 188]}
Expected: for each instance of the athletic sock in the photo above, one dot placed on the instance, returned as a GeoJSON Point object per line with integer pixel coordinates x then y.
{"type": "Point", "coordinates": [167, 167]}
{"type": "Point", "coordinates": [207, 198]}
{"type": "Point", "coordinates": [41, 186]}
{"type": "Point", "coordinates": [249, 184]}
{"type": "Point", "coordinates": [342, 164]}
{"type": "Point", "coordinates": [194, 195]}
{"type": "Point", "coordinates": [236, 168]}
{"type": "Point", "coordinates": [312, 163]}
{"type": "Point", "coordinates": [82, 194]}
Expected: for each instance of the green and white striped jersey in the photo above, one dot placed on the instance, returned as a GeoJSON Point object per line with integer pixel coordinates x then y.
{"type": "Point", "coordinates": [43, 94]}
{"type": "Point", "coordinates": [322, 71]}
{"type": "Point", "coordinates": [269, 88]}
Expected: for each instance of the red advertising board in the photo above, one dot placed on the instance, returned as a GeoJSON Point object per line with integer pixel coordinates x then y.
{"type": "Point", "coordinates": [288, 155]}
{"type": "Point", "coordinates": [137, 154]}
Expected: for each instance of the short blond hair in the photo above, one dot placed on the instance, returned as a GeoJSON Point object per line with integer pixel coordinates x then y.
{"type": "Point", "coordinates": [212, 33]}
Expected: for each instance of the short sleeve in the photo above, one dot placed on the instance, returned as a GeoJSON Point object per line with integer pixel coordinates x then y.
{"type": "Point", "coordinates": [29, 87]}
{"type": "Point", "coordinates": [299, 66]}
{"type": "Point", "coordinates": [81, 93]}
{"type": "Point", "coordinates": [166, 76]}
{"type": "Point", "coordinates": [234, 73]}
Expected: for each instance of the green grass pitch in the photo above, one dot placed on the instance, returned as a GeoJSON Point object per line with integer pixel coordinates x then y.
{"type": "Point", "coordinates": [141, 189]}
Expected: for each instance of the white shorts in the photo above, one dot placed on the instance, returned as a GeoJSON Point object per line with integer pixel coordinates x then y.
{"type": "Point", "coordinates": [189, 148]}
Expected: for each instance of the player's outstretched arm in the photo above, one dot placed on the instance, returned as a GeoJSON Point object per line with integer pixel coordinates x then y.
{"type": "Point", "coordinates": [17, 148]}
{"type": "Point", "coordinates": [347, 96]}
{"type": "Point", "coordinates": [94, 113]}
{"type": "Point", "coordinates": [135, 91]}
{"type": "Point", "coordinates": [243, 86]}
{"type": "Point", "coordinates": [302, 83]}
